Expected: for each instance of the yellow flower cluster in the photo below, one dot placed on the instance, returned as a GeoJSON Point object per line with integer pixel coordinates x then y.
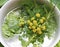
{"type": "Point", "coordinates": [33, 24]}
{"type": "Point", "coordinates": [42, 20]}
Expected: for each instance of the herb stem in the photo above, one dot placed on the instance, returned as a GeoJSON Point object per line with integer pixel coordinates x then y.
{"type": "Point", "coordinates": [32, 38]}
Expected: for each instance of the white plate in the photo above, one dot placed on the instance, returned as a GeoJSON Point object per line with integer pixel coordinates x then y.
{"type": "Point", "coordinates": [15, 42]}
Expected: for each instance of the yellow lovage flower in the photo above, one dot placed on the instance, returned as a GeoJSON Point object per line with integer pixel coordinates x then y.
{"type": "Point", "coordinates": [43, 18]}
{"type": "Point", "coordinates": [32, 18]}
{"type": "Point", "coordinates": [35, 22]}
{"type": "Point", "coordinates": [33, 27]}
{"type": "Point", "coordinates": [29, 27]}
{"type": "Point", "coordinates": [34, 30]}
{"type": "Point", "coordinates": [43, 27]}
{"type": "Point", "coordinates": [41, 21]}
{"type": "Point", "coordinates": [21, 23]}
{"type": "Point", "coordinates": [39, 25]}
{"type": "Point", "coordinates": [30, 23]}
{"type": "Point", "coordinates": [39, 30]}
{"type": "Point", "coordinates": [37, 15]}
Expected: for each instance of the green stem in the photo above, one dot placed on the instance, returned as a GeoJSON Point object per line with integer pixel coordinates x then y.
{"type": "Point", "coordinates": [45, 10]}
{"type": "Point", "coordinates": [31, 39]}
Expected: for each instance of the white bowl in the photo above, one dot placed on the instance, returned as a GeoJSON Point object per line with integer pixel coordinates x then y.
{"type": "Point", "coordinates": [10, 5]}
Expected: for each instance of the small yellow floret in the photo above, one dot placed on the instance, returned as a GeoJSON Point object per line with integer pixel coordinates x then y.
{"type": "Point", "coordinates": [21, 23]}
{"type": "Point", "coordinates": [39, 25]}
{"type": "Point", "coordinates": [35, 22]}
{"type": "Point", "coordinates": [38, 29]}
{"type": "Point", "coordinates": [39, 32]}
{"type": "Point", "coordinates": [43, 18]}
{"type": "Point", "coordinates": [41, 21]}
{"type": "Point", "coordinates": [29, 27]}
{"type": "Point", "coordinates": [37, 15]}
{"type": "Point", "coordinates": [34, 30]}
{"type": "Point", "coordinates": [30, 23]}
{"type": "Point", "coordinates": [32, 18]}
{"type": "Point", "coordinates": [33, 27]}
{"type": "Point", "coordinates": [43, 27]}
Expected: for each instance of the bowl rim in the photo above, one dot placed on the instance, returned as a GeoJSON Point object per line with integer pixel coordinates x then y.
{"type": "Point", "coordinates": [9, 2]}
